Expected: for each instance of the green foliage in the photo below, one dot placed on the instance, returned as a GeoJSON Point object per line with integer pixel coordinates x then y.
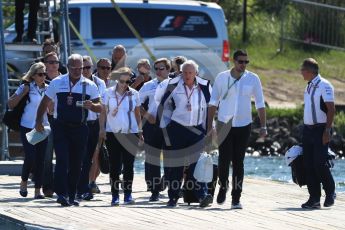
{"type": "Point", "coordinates": [339, 123]}
{"type": "Point", "coordinates": [293, 115]}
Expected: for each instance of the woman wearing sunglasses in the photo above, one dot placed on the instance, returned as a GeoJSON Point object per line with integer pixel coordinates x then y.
{"type": "Point", "coordinates": [34, 87]}
{"type": "Point", "coordinates": [120, 126]}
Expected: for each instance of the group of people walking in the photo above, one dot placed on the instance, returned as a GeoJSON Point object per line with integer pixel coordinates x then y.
{"type": "Point", "coordinates": [171, 114]}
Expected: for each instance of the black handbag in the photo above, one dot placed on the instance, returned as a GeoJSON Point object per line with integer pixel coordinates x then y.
{"type": "Point", "coordinates": [103, 159]}
{"type": "Point", "coordinates": [13, 117]}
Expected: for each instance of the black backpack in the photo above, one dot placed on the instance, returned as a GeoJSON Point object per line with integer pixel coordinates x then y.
{"type": "Point", "coordinates": [13, 117]}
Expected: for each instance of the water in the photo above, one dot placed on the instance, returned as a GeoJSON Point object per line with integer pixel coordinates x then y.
{"type": "Point", "coordinates": [273, 168]}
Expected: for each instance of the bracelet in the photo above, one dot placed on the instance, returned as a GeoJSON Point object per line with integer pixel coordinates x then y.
{"type": "Point", "coordinates": [264, 128]}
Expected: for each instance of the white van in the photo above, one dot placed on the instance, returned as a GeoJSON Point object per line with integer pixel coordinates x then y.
{"type": "Point", "coordinates": [193, 29]}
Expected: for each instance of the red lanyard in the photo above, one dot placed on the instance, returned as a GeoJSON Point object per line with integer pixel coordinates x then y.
{"type": "Point", "coordinates": [117, 102]}
{"type": "Point", "coordinates": [188, 96]}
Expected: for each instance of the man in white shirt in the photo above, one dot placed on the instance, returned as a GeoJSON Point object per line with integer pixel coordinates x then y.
{"type": "Point", "coordinates": [231, 93]}
{"type": "Point", "coordinates": [84, 189]}
{"type": "Point", "coordinates": [153, 136]}
{"type": "Point", "coordinates": [319, 113]}
{"type": "Point", "coordinates": [74, 95]}
{"type": "Point", "coordinates": [182, 114]}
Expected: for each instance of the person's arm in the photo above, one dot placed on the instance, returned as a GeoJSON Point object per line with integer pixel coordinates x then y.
{"type": "Point", "coordinates": [17, 96]}
{"type": "Point", "coordinates": [102, 120]}
{"type": "Point", "coordinates": [260, 106]}
{"type": "Point", "coordinates": [326, 138]}
{"type": "Point", "coordinates": [138, 118]}
{"type": "Point", "coordinates": [328, 97]}
{"type": "Point", "coordinates": [93, 105]}
{"type": "Point", "coordinates": [42, 109]}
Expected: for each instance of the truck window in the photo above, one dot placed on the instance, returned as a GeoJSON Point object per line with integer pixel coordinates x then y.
{"type": "Point", "coordinates": [151, 23]}
{"type": "Point", "coordinates": [74, 16]}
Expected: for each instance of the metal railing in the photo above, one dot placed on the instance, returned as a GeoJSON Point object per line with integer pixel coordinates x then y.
{"type": "Point", "coordinates": [313, 23]}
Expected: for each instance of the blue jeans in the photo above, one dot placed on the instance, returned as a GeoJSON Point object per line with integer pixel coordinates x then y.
{"type": "Point", "coordinates": [34, 158]}
{"type": "Point", "coordinates": [315, 155]}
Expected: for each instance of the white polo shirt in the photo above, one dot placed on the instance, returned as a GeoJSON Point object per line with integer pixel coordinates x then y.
{"type": "Point", "coordinates": [178, 102]}
{"type": "Point", "coordinates": [235, 103]}
{"type": "Point", "coordinates": [101, 89]}
{"type": "Point", "coordinates": [122, 121]}
{"type": "Point", "coordinates": [318, 91]}
{"type": "Point", "coordinates": [147, 93]}
{"type": "Point", "coordinates": [60, 89]}
{"type": "Point", "coordinates": [30, 111]}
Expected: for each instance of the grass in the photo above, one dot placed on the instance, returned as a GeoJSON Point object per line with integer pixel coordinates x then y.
{"type": "Point", "coordinates": [263, 47]}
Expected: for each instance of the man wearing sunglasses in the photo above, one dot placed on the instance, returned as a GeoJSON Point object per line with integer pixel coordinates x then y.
{"type": "Point", "coordinates": [74, 96]}
{"type": "Point", "coordinates": [153, 135]}
{"type": "Point", "coordinates": [143, 67]}
{"type": "Point", "coordinates": [232, 93]}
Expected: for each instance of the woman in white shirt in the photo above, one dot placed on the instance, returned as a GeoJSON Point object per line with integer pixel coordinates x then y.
{"type": "Point", "coordinates": [123, 131]}
{"type": "Point", "coordinates": [35, 87]}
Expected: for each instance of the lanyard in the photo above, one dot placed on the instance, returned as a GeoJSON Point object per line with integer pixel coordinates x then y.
{"type": "Point", "coordinates": [117, 102]}
{"type": "Point", "coordinates": [39, 91]}
{"type": "Point", "coordinates": [231, 85]}
{"type": "Point", "coordinates": [188, 96]}
{"type": "Point", "coordinates": [71, 86]}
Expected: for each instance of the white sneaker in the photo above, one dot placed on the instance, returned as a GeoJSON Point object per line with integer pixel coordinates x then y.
{"type": "Point", "coordinates": [236, 205]}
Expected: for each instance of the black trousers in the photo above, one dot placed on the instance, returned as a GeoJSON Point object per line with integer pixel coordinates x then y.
{"type": "Point", "coordinates": [183, 149]}
{"type": "Point", "coordinates": [19, 17]}
{"type": "Point", "coordinates": [48, 175]}
{"type": "Point", "coordinates": [315, 155]}
{"type": "Point", "coordinates": [232, 149]}
{"type": "Point", "coordinates": [122, 149]}
{"type": "Point", "coordinates": [34, 158]}
{"type": "Point", "coordinates": [69, 145]}
{"type": "Point", "coordinates": [154, 143]}
{"type": "Point", "coordinates": [92, 139]}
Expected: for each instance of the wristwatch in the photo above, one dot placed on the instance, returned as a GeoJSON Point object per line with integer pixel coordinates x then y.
{"type": "Point", "coordinates": [328, 130]}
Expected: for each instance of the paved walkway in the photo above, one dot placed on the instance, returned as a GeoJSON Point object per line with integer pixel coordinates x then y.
{"type": "Point", "coordinates": [267, 205]}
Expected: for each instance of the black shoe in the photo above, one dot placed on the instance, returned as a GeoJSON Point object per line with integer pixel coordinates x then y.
{"type": "Point", "coordinates": [172, 203]}
{"type": "Point", "coordinates": [206, 201]}
{"type": "Point", "coordinates": [87, 196]}
{"type": "Point", "coordinates": [48, 193]}
{"type": "Point", "coordinates": [73, 202]}
{"type": "Point", "coordinates": [221, 197]}
{"type": "Point", "coordinates": [154, 197]}
{"type": "Point", "coordinates": [310, 204]}
{"type": "Point", "coordinates": [18, 39]}
{"type": "Point", "coordinates": [23, 193]}
{"type": "Point", "coordinates": [329, 201]}
{"type": "Point", "coordinates": [63, 201]}
{"type": "Point", "coordinates": [39, 197]}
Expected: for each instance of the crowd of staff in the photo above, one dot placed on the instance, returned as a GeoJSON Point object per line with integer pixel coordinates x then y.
{"type": "Point", "coordinates": [169, 109]}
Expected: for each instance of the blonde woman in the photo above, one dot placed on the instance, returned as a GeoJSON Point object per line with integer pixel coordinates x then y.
{"type": "Point", "coordinates": [121, 128]}
{"type": "Point", "coordinates": [34, 86]}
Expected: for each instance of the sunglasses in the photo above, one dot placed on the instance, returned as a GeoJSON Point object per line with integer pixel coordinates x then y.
{"type": "Point", "coordinates": [75, 68]}
{"type": "Point", "coordinates": [86, 67]}
{"type": "Point", "coordinates": [52, 62]}
{"type": "Point", "coordinates": [242, 61]}
{"type": "Point", "coordinates": [142, 73]}
{"type": "Point", "coordinates": [125, 82]}
{"type": "Point", "coordinates": [41, 74]}
{"type": "Point", "coordinates": [104, 67]}
{"type": "Point", "coordinates": [160, 68]}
